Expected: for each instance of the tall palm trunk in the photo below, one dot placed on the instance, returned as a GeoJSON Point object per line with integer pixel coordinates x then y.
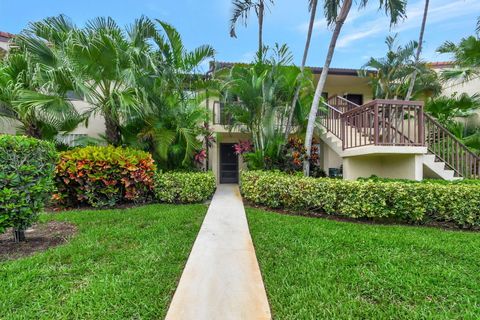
{"type": "Point", "coordinates": [261, 11]}
{"type": "Point", "coordinates": [112, 130]}
{"type": "Point", "coordinates": [347, 4]}
{"type": "Point", "coordinates": [302, 68]}
{"type": "Point", "coordinates": [419, 51]}
{"type": "Point", "coordinates": [32, 130]}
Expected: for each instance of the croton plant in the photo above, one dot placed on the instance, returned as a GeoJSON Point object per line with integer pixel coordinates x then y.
{"type": "Point", "coordinates": [104, 176]}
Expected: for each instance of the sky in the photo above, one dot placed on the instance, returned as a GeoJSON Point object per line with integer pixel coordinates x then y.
{"type": "Point", "coordinates": [207, 22]}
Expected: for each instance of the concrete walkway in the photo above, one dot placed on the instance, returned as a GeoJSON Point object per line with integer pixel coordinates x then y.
{"type": "Point", "coordinates": [221, 279]}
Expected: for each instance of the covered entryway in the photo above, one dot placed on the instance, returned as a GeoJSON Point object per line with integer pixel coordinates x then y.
{"type": "Point", "coordinates": [228, 163]}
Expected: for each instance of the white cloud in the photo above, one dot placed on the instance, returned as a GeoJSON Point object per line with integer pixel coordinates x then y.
{"type": "Point", "coordinates": [441, 12]}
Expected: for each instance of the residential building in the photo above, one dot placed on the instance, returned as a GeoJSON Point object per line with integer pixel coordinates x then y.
{"type": "Point", "coordinates": [362, 137]}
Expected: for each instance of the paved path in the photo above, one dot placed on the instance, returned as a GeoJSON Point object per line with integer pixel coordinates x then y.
{"type": "Point", "coordinates": [221, 279]}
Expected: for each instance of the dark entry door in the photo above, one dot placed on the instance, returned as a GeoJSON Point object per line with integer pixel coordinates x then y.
{"type": "Point", "coordinates": [355, 98]}
{"type": "Point", "coordinates": [228, 164]}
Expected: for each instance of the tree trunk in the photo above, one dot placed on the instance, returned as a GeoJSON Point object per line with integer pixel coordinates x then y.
{"type": "Point", "coordinates": [419, 51]}
{"type": "Point", "coordinates": [347, 4]}
{"type": "Point", "coordinates": [302, 68]}
{"type": "Point", "coordinates": [32, 130]}
{"type": "Point", "coordinates": [261, 10]}
{"type": "Point", "coordinates": [112, 131]}
{"type": "Point", "coordinates": [18, 235]}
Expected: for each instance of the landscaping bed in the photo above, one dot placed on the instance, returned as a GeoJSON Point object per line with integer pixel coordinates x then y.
{"type": "Point", "coordinates": [324, 269]}
{"type": "Point", "coordinates": [121, 264]}
{"type": "Point", "coordinates": [449, 204]}
{"type": "Point", "coordinates": [40, 237]}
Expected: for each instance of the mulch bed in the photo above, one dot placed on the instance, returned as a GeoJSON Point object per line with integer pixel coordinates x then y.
{"type": "Point", "coordinates": [38, 238]}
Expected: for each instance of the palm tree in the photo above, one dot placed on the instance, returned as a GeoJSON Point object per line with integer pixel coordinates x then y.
{"type": "Point", "coordinates": [392, 77]}
{"type": "Point", "coordinates": [172, 123]}
{"type": "Point", "coordinates": [313, 11]}
{"type": "Point", "coordinates": [446, 109]}
{"type": "Point", "coordinates": [419, 51]}
{"type": "Point", "coordinates": [241, 10]}
{"type": "Point", "coordinates": [34, 95]}
{"type": "Point", "coordinates": [394, 8]}
{"type": "Point", "coordinates": [257, 97]}
{"type": "Point", "coordinates": [104, 61]}
{"type": "Point", "coordinates": [466, 59]}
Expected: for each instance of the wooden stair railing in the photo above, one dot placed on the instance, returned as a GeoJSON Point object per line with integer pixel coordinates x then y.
{"type": "Point", "coordinates": [330, 118]}
{"type": "Point", "coordinates": [449, 149]}
{"type": "Point", "coordinates": [397, 123]}
{"type": "Point", "coordinates": [342, 104]}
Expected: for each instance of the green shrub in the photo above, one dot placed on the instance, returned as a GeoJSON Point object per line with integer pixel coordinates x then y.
{"type": "Point", "coordinates": [409, 202]}
{"type": "Point", "coordinates": [26, 179]}
{"type": "Point", "coordinates": [104, 176]}
{"type": "Point", "coordinates": [184, 187]}
{"type": "Point", "coordinates": [436, 181]}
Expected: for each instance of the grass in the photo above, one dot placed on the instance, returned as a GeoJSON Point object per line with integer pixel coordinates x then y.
{"type": "Point", "coordinates": [324, 269]}
{"type": "Point", "coordinates": [123, 264]}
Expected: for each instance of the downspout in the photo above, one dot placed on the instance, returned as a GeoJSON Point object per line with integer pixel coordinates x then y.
{"type": "Point", "coordinates": [207, 101]}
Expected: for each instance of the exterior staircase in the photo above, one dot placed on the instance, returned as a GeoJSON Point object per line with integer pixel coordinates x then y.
{"type": "Point", "coordinates": [393, 126]}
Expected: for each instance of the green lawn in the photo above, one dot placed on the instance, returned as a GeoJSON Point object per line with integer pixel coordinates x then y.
{"type": "Point", "coordinates": [323, 269]}
{"type": "Point", "coordinates": [123, 264]}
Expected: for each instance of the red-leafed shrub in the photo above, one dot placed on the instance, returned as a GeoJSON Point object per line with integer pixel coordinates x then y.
{"type": "Point", "coordinates": [104, 176]}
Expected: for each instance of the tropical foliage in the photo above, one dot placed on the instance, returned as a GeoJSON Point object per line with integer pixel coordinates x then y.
{"type": "Point", "coordinates": [258, 98]}
{"type": "Point", "coordinates": [172, 124]}
{"type": "Point", "coordinates": [104, 176]}
{"type": "Point", "coordinates": [33, 93]}
{"type": "Point", "coordinates": [240, 13]}
{"type": "Point", "coordinates": [393, 73]}
{"type": "Point", "coordinates": [466, 59]}
{"type": "Point", "coordinates": [26, 180]}
{"type": "Point", "coordinates": [140, 79]}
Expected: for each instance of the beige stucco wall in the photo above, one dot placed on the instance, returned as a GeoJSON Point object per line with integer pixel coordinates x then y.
{"type": "Point", "coordinates": [387, 166]}
{"type": "Point", "coordinates": [329, 158]}
{"type": "Point", "coordinates": [4, 45]}
{"type": "Point", "coordinates": [470, 87]}
{"type": "Point", "coordinates": [96, 123]}
{"type": "Point", "coordinates": [342, 85]}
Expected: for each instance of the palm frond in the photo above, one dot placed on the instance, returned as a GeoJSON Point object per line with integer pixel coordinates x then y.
{"type": "Point", "coordinates": [240, 11]}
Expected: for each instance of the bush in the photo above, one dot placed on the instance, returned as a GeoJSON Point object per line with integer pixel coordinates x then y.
{"type": "Point", "coordinates": [409, 202]}
{"type": "Point", "coordinates": [26, 180]}
{"type": "Point", "coordinates": [104, 176]}
{"type": "Point", "coordinates": [184, 187]}
{"type": "Point", "coordinates": [436, 181]}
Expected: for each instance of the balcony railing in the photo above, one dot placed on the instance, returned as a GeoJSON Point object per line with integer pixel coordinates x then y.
{"type": "Point", "coordinates": [384, 123]}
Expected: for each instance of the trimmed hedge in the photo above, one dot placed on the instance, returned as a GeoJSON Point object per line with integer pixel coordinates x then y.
{"type": "Point", "coordinates": [436, 181]}
{"type": "Point", "coordinates": [408, 202]}
{"type": "Point", "coordinates": [104, 176]}
{"type": "Point", "coordinates": [184, 187]}
{"type": "Point", "coordinates": [26, 179]}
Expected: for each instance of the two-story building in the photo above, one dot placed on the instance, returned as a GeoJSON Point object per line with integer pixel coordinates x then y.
{"type": "Point", "coordinates": [363, 137]}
